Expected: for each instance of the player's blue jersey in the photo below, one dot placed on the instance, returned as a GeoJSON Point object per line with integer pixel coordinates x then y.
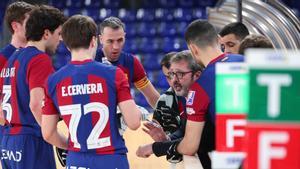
{"type": "Point", "coordinates": [26, 69]}
{"type": "Point", "coordinates": [86, 94]}
{"type": "Point", "coordinates": [201, 98]}
{"type": "Point", "coordinates": [201, 102]}
{"type": "Point", "coordinates": [5, 53]}
{"type": "Point", "coordinates": [131, 66]}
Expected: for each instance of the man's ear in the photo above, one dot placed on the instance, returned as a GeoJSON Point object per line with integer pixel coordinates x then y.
{"type": "Point", "coordinates": [197, 75]}
{"type": "Point", "coordinates": [14, 26]}
{"type": "Point", "coordinates": [46, 34]}
{"type": "Point", "coordinates": [194, 49]}
{"type": "Point", "coordinates": [93, 42]}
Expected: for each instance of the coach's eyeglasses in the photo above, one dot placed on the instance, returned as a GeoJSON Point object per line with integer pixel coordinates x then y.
{"type": "Point", "coordinates": [179, 75]}
{"type": "Point", "coordinates": [168, 76]}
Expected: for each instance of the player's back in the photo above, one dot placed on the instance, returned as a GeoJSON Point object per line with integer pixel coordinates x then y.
{"type": "Point", "coordinates": [206, 84]}
{"type": "Point", "coordinates": [85, 93]}
{"type": "Point", "coordinates": [16, 96]}
{"type": "Point", "coordinates": [207, 79]}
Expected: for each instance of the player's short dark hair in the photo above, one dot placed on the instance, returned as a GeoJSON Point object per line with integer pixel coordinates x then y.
{"type": "Point", "coordinates": [237, 28]}
{"type": "Point", "coordinates": [78, 31]}
{"type": "Point", "coordinates": [187, 56]}
{"type": "Point", "coordinates": [43, 18]}
{"type": "Point", "coordinates": [165, 61]}
{"type": "Point", "coordinates": [254, 41]}
{"type": "Point", "coordinates": [16, 12]}
{"type": "Point", "coordinates": [201, 33]}
{"type": "Point", "coordinates": [112, 22]}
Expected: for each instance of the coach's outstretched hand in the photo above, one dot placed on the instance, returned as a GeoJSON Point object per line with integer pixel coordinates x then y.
{"type": "Point", "coordinates": [168, 118]}
{"type": "Point", "coordinates": [61, 155]}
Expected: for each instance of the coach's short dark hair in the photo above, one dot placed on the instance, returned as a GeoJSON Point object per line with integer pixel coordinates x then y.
{"type": "Point", "coordinates": [236, 28]}
{"type": "Point", "coordinates": [201, 33]}
{"type": "Point", "coordinates": [78, 31]}
{"type": "Point", "coordinates": [186, 55]}
{"type": "Point", "coordinates": [16, 12]}
{"type": "Point", "coordinates": [165, 61]}
{"type": "Point", "coordinates": [254, 41]}
{"type": "Point", "coordinates": [42, 18]}
{"type": "Point", "coordinates": [112, 22]}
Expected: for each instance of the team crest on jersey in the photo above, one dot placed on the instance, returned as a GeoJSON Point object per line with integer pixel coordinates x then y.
{"type": "Point", "coordinates": [190, 111]}
{"type": "Point", "coordinates": [190, 98]}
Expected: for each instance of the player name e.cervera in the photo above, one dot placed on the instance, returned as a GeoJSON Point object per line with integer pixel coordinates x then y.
{"type": "Point", "coordinates": [8, 72]}
{"type": "Point", "coordinates": [81, 89]}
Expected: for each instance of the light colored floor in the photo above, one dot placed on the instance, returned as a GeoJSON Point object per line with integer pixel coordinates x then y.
{"type": "Point", "coordinates": [133, 139]}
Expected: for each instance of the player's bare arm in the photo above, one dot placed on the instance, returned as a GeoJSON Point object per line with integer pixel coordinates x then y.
{"type": "Point", "coordinates": [191, 141]}
{"type": "Point", "coordinates": [131, 113]}
{"type": "Point", "coordinates": [37, 96]}
{"type": "Point", "coordinates": [150, 94]}
{"type": "Point", "coordinates": [2, 118]}
{"type": "Point", "coordinates": [50, 132]}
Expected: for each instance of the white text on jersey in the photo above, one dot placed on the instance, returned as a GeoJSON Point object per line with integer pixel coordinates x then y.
{"type": "Point", "coordinates": [81, 89]}
{"type": "Point", "coordinates": [8, 72]}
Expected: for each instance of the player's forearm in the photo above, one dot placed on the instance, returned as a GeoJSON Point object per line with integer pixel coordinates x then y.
{"type": "Point", "coordinates": [150, 94]}
{"type": "Point", "coordinates": [131, 113]}
{"type": "Point", "coordinates": [191, 140]}
{"type": "Point", "coordinates": [57, 140]}
{"type": "Point", "coordinates": [36, 110]}
{"type": "Point", "coordinates": [2, 118]}
{"type": "Point", "coordinates": [37, 96]}
{"type": "Point", "coordinates": [186, 148]}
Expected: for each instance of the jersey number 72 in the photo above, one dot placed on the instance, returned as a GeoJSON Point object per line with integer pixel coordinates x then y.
{"type": "Point", "coordinates": [93, 141]}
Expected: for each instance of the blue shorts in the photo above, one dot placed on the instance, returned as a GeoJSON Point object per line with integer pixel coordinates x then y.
{"type": "Point", "coordinates": [26, 151]}
{"type": "Point", "coordinates": [95, 161]}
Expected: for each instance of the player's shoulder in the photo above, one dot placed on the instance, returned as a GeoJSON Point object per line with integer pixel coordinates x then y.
{"type": "Point", "coordinates": [126, 55]}
{"type": "Point", "coordinates": [102, 66]}
{"type": "Point", "coordinates": [28, 53]}
{"type": "Point", "coordinates": [31, 50]}
{"type": "Point", "coordinates": [233, 58]}
{"type": "Point", "coordinates": [7, 50]}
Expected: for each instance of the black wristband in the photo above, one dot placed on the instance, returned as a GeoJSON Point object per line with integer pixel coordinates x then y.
{"type": "Point", "coordinates": [161, 148]}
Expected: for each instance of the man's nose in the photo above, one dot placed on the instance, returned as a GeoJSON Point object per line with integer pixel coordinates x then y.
{"type": "Point", "coordinates": [116, 45]}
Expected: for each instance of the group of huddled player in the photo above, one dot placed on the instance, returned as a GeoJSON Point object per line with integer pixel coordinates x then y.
{"type": "Point", "coordinates": [87, 92]}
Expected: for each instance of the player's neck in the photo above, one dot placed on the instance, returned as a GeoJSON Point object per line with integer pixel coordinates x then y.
{"type": "Point", "coordinates": [210, 54]}
{"type": "Point", "coordinates": [81, 54]}
{"type": "Point", "coordinates": [18, 43]}
{"type": "Point", "coordinates": [38, 44]}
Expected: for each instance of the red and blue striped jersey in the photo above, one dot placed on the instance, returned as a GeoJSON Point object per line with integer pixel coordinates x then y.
{"type": "Point", "coordinates": [131, 66]}
{"type": "Point", "coordinates": [201, 98]}
{"type": "Point", "coordinates": [200, 102]}
{"type": "Point", "coordinates": [26, 69]}
{"type": "Point", "coordinates": [5, 53]}
{"type": "Point", "coordinates": [86, 94]}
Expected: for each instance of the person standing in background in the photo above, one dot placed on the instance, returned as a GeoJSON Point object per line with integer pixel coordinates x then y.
{"type": "Point", "coordinates": [231, 37]}
{"type": "Point", "coordinates": [86, 94]}
{"type": "Point", "coordinates": [255, 41]}
{"type": "Point", "coordinates": [112, 39]}
{"type": "Point", "coordinates": [16, 16]}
